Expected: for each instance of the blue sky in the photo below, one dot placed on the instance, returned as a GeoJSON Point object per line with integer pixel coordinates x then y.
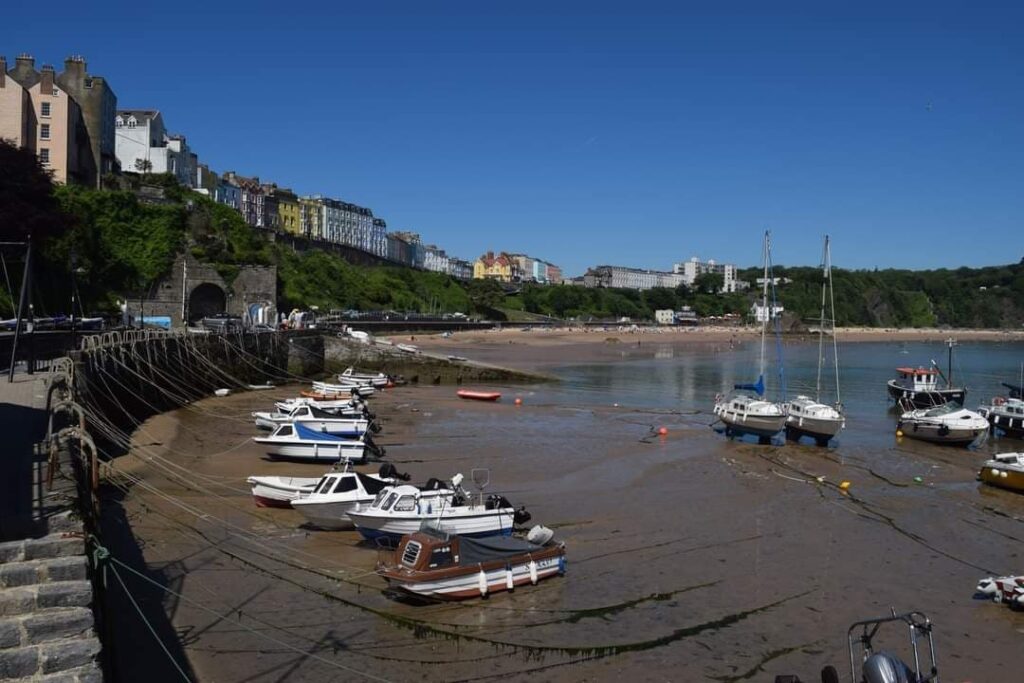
{"type": "Point", "coordinates": [630, 133]}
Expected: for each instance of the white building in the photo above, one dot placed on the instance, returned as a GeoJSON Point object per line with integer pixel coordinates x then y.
{"type": "Point", "coordinates": [436, 259]}
{"type": "Point", "coordinates": [619, 277]}
{"type": "Point", "coordinates": [665, 316]}
{"type": "Point", "coordinates": [143, 145]}
{"type": "Point", "coordinates": [760, 313]}
{"type": "Point", "coordinates": [691, 269]}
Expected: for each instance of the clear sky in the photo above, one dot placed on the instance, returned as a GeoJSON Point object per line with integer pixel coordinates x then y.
{"type": "Point", "coordinates": [629, 133]}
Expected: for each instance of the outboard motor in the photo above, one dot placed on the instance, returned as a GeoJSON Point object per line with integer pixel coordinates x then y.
{"type": "Point", "coordinates": [433, 484]}
{"type": "Point", "coordinates": [521, 516]}
{"type": "Point", "coordinates": [389, 471]}
{"type": "Point", "coordinates": [884, 667]}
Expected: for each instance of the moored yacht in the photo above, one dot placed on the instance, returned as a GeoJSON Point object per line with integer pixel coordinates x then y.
{"type": "Point", "coordinates": [920, 386]}
{"type": "Point", "coordinates": [1006, 415]}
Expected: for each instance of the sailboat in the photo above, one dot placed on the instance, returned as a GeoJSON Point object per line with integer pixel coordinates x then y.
{"type": "Point", "coordinates": [745, 410]}
{"type": "Point", "coordinates": [807, 416]}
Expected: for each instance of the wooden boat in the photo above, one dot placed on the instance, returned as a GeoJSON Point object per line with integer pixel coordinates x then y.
{"type": "Point", "coordinates": [378, 380]}
{"type": "Point", "coordinates": [1006, 415]}
{"type": "Point", "coordinates": [402, 510]}
{"type": "Point", "coordinates": [280, 492]}
{"type": "Point", "coordinates": [745, 411]}
{"type": "Point", "coordinates": [295, 442]}
{"type": "Point", "coordinates": [1006, 471]}
{"type": "Point", "coordinates": [478, 395]}
{"type": "Point", "coordinates": [810, 417]}
{"type": "Point", "coordinates": [920, 386]}
{"type": "Point", "coordinates": [433, 564]}
{"type": "Point", "coordinates": [317, 420]}
{"type": "Point", "coordinates": [945, 424]}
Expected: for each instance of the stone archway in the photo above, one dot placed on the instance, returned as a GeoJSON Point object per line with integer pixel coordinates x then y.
{"type": "Point", "coordinates": [205, 300]}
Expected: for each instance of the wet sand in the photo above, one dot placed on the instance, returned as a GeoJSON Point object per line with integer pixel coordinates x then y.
{"type": "Point", "coordinates": [690, 557]}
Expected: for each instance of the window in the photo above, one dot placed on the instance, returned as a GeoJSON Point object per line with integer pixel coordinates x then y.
{"type": "Point", "coordinates": [88, 83]}
{"type": "Point", "coordinates": [405, 504]}
{"type": "Point", "coordinates": [383, 504]}
{"type": "Point", "coordinates": [44, 131]}
{"type": "Point", "coordinates": [284, 430]}
{"type": "Point", "coordinates": [44, 155]}
{"type": "Point", "coordinates": [411, 553]}
{"type": "Point", "coordinates": [345, 484]}
{"type": "Point", "coordinates": [323, 485]}
{"type": "Point", "coordinates": [441, 557]}
{"type": "Point", "coordinates": [45, 109]}
{"type": "Point", "coordinates": [55, 92]}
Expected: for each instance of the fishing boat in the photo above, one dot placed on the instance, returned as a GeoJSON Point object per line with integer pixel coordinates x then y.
{"type": "Point", "coordinates": [1006, 471]}
{"type": "Point", "coordinates": [328, 506]}
{"type": "Point", "coordinates": [745, 410]}
{"type": "Point", "coordinates": [810, 417]}
{"type": "Point", "coordinates": [401, 510]}
{"type": "Point", "coordinates": [478, 395]}
{"type": "Point", "coordinates": [317, 420]}
{"type": "Point", "coordinates": [280, 492]}
{"type": "Point", "coordinates": [920, 386]}
{"type": "Point", "coordinates": [295, 442]}
{"type": "Point", "coordinates": [432, 563]}
{"type": "Point", "coordinates": [1006, 415]}
{"type": "Point", "coordinates": [1005, 589]}
{"type": "Point", "coordinates": [949, 423]}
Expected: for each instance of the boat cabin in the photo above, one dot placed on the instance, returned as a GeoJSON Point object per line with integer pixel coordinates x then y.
{"type": "Point", "coordinates": [344, 482]}
{"type": "Point", "coordinates": [918, 379]}
{"type": "Point", "coordinates": [1011, 406]}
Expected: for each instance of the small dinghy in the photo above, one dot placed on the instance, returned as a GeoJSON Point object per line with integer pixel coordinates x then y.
{"type": "Point", "coordinates": [295, 442]}
{"type": "Point", "coordinates": [317, 420]}
{"type": "Point", "coordinates": [949, 423]}
{"type": "Point", "coordinates": [434, 564]}
{"type": "Point", "coordinates": [350, 408]}
{"type": "Point", "coordinates": [1005, 589]}
{"type": "Point", "coordinates": [401, 510]}
{"type": "Point", "coordinates": [478, 395]}
{"type": "Point", "coordinates": [280, 492]}
{"type": "Point", "coordinates": [1006, 471]}
{"type": "Point", "coordinates": [344, 389]}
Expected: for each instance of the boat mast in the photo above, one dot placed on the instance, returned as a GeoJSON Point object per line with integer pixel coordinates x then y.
{"type": "Point", "coordinates": [821, 321]}
{"type": "Point", "coordinates": [764, 303]}
{"type": "Point", "coordinates": [832, 311]}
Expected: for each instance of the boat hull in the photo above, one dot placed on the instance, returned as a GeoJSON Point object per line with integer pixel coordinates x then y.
{"type": "Point", "coordinates": [279, 492]}
{"type": "Point", "coordinates": [314, 452]}
{"type": "Point", "coordinates": [1009, 425]}
{"type": "Point", "coordinates": [820, 429]}
{"type": "Point", "coordinates": [925, 399]}
{"type": "Point", "coordinates": [933, 433]}
{"type": "Point", "coordinates": [464, 583]}
{"type": "Point", "coordinates": [478, 395]}
{"type": "Point", "coordinates": [331, 515]}
{"type": "Point", "coordinates": [1003, 477]}
{"type": "Point", "coordinates": [484, 523]}
{"type": "Point", "coordinates": [760, 426]}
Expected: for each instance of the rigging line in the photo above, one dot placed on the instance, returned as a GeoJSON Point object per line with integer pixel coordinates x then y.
{"type": "Point", "coordinates": [223, 617]}
{"type": "Point", "coordinates": [7, 278]}
{"type": "Point", "coordinates": [149, 626]}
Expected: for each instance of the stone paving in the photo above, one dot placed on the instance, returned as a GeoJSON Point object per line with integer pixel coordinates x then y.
{"type": "Point", "coordinates": [46, 617]}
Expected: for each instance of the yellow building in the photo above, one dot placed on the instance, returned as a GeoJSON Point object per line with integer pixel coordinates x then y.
{"type": "Point", "coordinates": [289, 212]}
{"type": "Point", "coordinates": [491, 267]}
{"type": "Point", "coordinates": [311, 210]}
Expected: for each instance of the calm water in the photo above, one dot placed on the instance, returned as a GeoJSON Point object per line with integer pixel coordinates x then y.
{"type": "Point", "coordinates": [661, 376]}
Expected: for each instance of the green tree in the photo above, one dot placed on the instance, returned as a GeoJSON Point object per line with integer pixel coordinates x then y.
{"type": "Point", "coordinates": [709, 283]}
{"type": "Point", "coordinates": [485, 294]}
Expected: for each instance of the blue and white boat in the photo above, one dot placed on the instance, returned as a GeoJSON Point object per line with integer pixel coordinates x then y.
{"type": "Point", "coordinates": [294, 441]}
{"type": "Point", "coordinates": [317, 420]}
{"type": "Point", "coordinates": [401, 510]}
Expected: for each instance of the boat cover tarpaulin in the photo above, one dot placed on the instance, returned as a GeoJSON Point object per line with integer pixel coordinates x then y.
{"type": "Point", "coordinates": [758, 387]}
{"type": "Point", "coordinates": [371, 485]}
{"type": "Point", "coordinates": [308, 434]}
{"type": "Point", "coordinates": [488, 549]}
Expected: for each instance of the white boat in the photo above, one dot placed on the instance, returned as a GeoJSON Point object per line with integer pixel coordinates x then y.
{"type": "Point", "coordinates": [437, 565]}
{"type": "Point", "coordinates": [295, 442]}
{"type": "Point", "coordinates": [408, 348]}
{"type": "Point", "coordinates": [948, 423]}
{"type": "Point", "coordinates": [280, 492]}
{"type": "Point", "coordinates": [378, 380]}
{"type": "Point", "coordinates": [352, 408]}
{"type": "Point", "coordinates": [317, 420]}
{"type": "Point", "coordinates": [328, 506]}
{"type": "Point", "coordinates": [1005, 415]}
{"type": "Point", "coordinates": [344, 389]}
{"type": "Point", "coordinates": [919, 387]}
{"type": "Point", "coordinates": [402, 510]}
{"type": "Point", "coordinates": [810, 417]}
{"type": "Point", "coordinates": [741, 411]}
{"type": "Point", "coordinates": [1005, 589]}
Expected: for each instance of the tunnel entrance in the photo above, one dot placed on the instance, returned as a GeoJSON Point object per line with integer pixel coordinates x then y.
{"type": "Point", "coordinates": [206, 300]}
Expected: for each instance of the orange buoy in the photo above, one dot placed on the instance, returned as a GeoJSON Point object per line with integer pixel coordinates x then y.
{"type": "Point", "coordinates": [519, 401]}
{"type": "Point", "coordinates": [663, 431]}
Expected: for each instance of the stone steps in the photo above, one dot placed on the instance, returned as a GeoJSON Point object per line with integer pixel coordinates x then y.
{"type": "Point", "coordinates": [46, 620]}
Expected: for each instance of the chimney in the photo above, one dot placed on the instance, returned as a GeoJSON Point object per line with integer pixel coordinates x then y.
{"type": "Point", "coordinates": [74, 70]}
{"type": "Point", "coordinates": [3, 70]}
{"type": "Point", "coordinates": [46, 76]}
{"type": "Point", "coordinates": [25, 60]}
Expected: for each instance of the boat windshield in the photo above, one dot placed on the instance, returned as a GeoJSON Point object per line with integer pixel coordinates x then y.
{"type": "Point", "coordinates": [389, 502]}
{"type": "Point", "coordinates": [380, 498]}
{"type": "Point", "coordinates": [323, 485]}
{"type": "Point", "coordinates": [944, 409]}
